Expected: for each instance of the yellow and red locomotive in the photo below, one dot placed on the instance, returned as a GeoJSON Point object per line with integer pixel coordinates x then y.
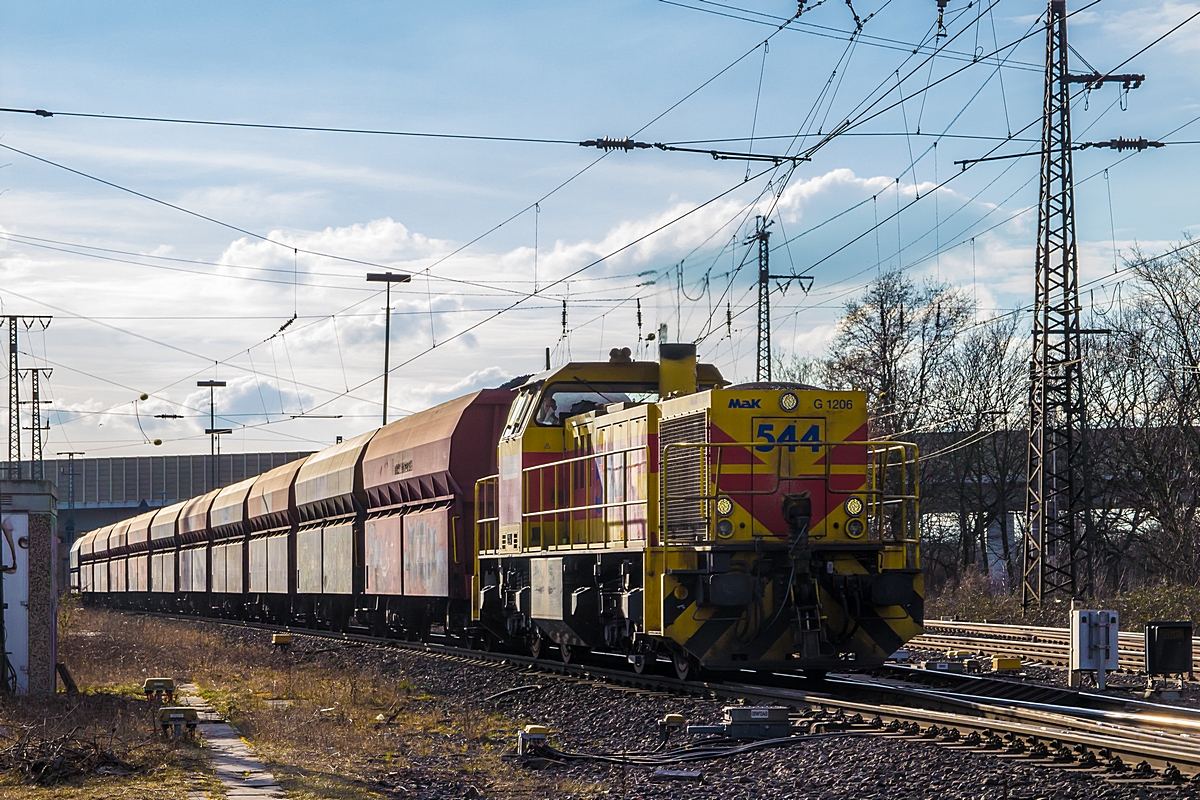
{"type": "Point", "coordinates": [651, 509]}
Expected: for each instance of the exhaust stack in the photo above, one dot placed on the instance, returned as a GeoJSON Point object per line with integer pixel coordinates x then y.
{"type": "Point", "coordinates": [676, 370]}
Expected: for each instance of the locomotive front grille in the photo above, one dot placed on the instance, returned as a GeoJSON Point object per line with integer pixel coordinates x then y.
{"type": "Point", "coordinates": [685, 481]}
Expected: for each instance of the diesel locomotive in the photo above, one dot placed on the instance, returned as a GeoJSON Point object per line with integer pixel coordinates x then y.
{"type": "Point", "coordinates": [647, 509]}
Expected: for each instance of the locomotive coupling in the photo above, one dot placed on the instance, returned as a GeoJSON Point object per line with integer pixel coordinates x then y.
{"type": "Point", "coordinates": [797, 514]}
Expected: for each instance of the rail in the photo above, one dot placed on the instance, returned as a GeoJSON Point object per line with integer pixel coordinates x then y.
{"type": "Point", "coordinates": [1042, 643]}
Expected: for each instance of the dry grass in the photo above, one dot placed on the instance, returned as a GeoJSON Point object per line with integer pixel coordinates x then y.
{"type": "Point", "coordinates": [326, 739]}
{"type": "Point", "coordinates": [115, 723]}
{"type": "Point", "coordinates": [975, 598]}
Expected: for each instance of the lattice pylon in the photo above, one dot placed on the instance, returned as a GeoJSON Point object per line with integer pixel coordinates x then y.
{"type": "Point", "coordinates": [1057, 536]}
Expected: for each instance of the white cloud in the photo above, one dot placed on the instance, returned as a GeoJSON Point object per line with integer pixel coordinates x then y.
{"type": "Point", "coordinates": [316, 360]}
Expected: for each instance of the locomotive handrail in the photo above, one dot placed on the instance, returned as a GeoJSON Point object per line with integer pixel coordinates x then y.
{"type": "Point", "coordinates": [488, 526]}
{"type": "Point", "coordinates": [570, 511]}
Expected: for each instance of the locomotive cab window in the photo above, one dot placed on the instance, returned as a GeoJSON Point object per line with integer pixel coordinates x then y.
{"type": "Point", "coordinates": [519, 412]}
{"type": "Point", "coordinates": [562, 400]}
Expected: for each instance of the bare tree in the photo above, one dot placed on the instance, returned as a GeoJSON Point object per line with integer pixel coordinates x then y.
{"type": "Point", "coordinates": [892, 342]}
{"type": "Point", "coordinates": [979, 469]}
{"type": "Point", "coordinates": [1145, 390]}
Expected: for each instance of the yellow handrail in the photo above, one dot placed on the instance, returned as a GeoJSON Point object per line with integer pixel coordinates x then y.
{"type": "Point", "coordinates": [563, 470]}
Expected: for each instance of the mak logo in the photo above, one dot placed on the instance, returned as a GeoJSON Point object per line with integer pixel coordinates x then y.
{"type": "Point", "coordinates": [736, 403]}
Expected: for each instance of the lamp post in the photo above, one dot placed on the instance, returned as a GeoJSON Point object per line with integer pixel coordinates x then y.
{"type": "Point", "coordinates": [212, 430]}
{"type": "Point", "coordinates": [388, 278]}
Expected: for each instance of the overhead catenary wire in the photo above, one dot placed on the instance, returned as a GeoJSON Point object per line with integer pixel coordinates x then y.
{"type": "Point", "coordinates": [828, 32]}
{"type": "Point", "coordinates": [938, 249]}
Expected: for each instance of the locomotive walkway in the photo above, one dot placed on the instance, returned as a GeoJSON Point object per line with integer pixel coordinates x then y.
{"type": "Point", "coordinates": [241, 774]}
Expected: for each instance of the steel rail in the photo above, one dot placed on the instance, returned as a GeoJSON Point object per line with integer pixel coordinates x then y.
{"type": "Point", "coordinates": [1048, 644]}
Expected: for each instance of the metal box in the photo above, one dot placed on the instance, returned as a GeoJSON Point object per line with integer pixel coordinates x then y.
{"type": "Point", "coordinates": [1168, 648]}
{"type": "Point", "coordinates": [172, 715]}
{"type": "Point", "coordinates": [151, 685]}
{"type": "Point", "coordinates": [757, 722]}
{"type": "Point", "coordinates": [1093, 640]}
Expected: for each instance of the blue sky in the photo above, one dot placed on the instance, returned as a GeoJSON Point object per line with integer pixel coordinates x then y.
{"type": "Point", "coordinates": [567, 71]}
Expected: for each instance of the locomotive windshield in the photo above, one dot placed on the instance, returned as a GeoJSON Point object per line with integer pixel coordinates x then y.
{"type": "Point", "coordinates": [562, 400]}
{"type": "Point", "coordinates": [518, 412]}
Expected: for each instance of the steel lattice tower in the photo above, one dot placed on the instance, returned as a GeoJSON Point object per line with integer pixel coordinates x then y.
{"type": "Point", "coordinates": [36, 470]}
{"type": "Point", "coordinates": [1056, 552]}
{"type": "Point", "coordinates": [14, 403]}
{"type": "Point", "coordinates": [762, 371]}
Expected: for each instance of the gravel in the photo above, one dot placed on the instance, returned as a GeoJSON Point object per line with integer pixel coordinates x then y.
{"type": "Point", "coordinates": [588, 717]}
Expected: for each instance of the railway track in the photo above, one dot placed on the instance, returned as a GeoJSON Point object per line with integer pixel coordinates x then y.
{"type": "Point", "coordinates": [1027, 641]}
{"type": "Point", "coordinates": [1129, 740]}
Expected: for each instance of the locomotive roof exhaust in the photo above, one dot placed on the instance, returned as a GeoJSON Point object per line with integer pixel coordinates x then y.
{"type": "Point", "coordinates": [676, 369]}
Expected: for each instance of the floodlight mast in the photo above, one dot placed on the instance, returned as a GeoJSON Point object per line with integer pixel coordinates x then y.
{"type": "Point", "coordinates": [387, 278]}
{"type": "Point", "coordinates": [213, 431]}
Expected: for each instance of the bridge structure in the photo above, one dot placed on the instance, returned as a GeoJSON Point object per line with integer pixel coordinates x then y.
{"type": "Point", "coordinates": [107, 490]}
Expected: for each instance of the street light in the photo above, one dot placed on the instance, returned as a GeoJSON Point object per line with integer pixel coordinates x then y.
{"type": "Point", "coordinates": [389, 278]}
{"type": "Point", "coordinates": [212, 430]}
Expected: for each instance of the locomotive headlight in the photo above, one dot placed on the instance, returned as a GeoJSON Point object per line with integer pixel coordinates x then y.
{"type": "Point", "coordinates": [724, 529]}
{"type": "Point", "coordinates": [855, 528]}
{"type": "Point", "coordinates": [854, 506]}
{"type": "Point", "coordinates": [724, 506]}
{"type": "Point", "coordinates": [788, 401]}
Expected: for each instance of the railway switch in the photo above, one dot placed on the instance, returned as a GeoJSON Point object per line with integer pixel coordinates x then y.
{"type": "Point", "coordinates": [178, 721]}
{"type": "Point", "coordinates": [157, 689]}
{"type": "Point", "coordinates": [281, 641]}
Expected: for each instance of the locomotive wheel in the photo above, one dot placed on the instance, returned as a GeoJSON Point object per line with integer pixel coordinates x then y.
{"type": "Point", "coordinates": [683, 665]}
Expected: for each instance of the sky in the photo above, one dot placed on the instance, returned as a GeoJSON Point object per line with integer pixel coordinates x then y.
{"type": "Point", "coordinates": [170, 253]}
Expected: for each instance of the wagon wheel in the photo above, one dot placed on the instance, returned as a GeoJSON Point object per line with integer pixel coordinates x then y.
{"type": "Point", "coordinates": [536, 643]}
{"type": "Point", "coordinates": [568, 653]}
